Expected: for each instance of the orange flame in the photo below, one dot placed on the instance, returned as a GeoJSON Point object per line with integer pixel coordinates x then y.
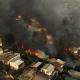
{"type": "Point", "coordinates": [18, 17]}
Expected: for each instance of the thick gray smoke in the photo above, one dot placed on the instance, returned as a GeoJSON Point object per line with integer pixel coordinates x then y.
{"type": "Point", "coordinates": [62, 17]}
{"type": "Point", "coordinates": [5, 11]}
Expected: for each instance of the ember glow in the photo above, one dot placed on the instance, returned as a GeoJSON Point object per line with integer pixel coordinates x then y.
{"type": "Point", "coordinates": [38, 35]}
{"type": "Point", "coordinates": [36, 53]}
{"type": "Point", "coordinates": [18, 17]}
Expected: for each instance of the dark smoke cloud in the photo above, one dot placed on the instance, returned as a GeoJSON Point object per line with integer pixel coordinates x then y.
{"type": "Point", "coordinates": [5, 12]}
{"type": "Point", "coordinates": [62, 17]}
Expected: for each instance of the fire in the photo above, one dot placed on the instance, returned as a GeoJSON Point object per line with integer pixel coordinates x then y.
{"type": "Point", "coordinates": [49, 37]}
{"type": "Point", "coordinates": [36, 54]}
{"type": "Point", "coordinates": [72, 50]}
{"type": "Point", "coordinates": [34, 26]}
{"type": "Point", "coordinates": [33, 52]}
{"type": "Point", "coordinates": [30, 50]}
{"type": "Point", "coordinates": [19, 17]}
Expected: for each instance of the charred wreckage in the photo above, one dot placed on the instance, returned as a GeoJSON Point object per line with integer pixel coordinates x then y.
{"type": "Point", "coordinates": [36, 58]}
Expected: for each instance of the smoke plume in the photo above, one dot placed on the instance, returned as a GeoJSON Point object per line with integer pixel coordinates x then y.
{"type": "Point", "coordinates": [62, 17]}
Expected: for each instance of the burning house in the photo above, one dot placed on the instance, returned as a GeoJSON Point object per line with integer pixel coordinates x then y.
{"type": "Point", "coordinates": [48, 69]}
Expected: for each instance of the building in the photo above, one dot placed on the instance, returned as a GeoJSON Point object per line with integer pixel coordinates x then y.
{"type": "Point", "coordinates": [60, 61]}
{"type": "Point", "coordinates": [52, 60]}
{"type": "Point", "coordinates": [1, 51]}
{"type": "Point", "coordinates": [48, 69]}
{"type": "Point", "coordinates": [57, 63]}
{"type": "Point", "coordinates": [32, 74]}
{"type": "Point", "coordinates": [36, 65]}
{"type": "Point", "coordinates": [74, 74]}
{"type": "Point", "coordinates": [27, 74]}
{"type": "Point", "coordinates": [6, 57]}
{"type": "Point", "coordinates": [16, 62]}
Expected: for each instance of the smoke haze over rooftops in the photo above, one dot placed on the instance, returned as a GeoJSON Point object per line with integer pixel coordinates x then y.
{"type": "Point", "coordinates": [62, 17]}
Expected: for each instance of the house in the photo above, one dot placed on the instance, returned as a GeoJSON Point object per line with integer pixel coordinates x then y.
{"type": "Point", "coordinates": [48, 69]}
{"type": "Point", "coordinates": [16, 63]}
